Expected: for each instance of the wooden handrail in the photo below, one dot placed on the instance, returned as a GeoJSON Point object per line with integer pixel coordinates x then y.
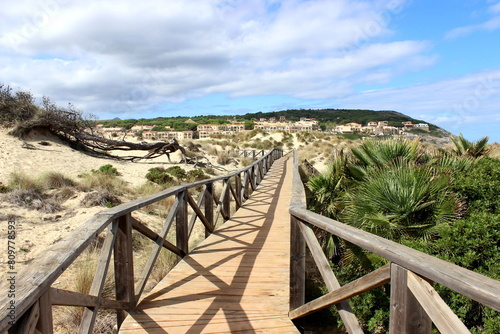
{"type": "Point", "coordinates": [33, 282]}
{"type": "Point", "coordinates": [480, 288]}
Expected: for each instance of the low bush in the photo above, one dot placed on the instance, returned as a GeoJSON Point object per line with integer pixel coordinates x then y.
{"type": "Point", "coordinates": [56, 180]}
{"type": "Point", "coordinates": [157, 175]}
{"type": "Point", "coordinates": [101, 181]}
{"type": "Point", "coordinates": [100, 198]}
{"type": "Point", "coordinates": [63, 194]}
{"type": "Point", "coordinates": [223, 158]}
{"type": "Point", "coordinates": [177, 172]}
{"type": "Point", "coordinates": [210, 171]}
{"type": "Point", "coordinates": [212, 150]}
{"type": "Point", "coordinates": [34, 200]}
{"type": "Point", "coordinates": [246, 161]}
{"type": "Point", "coordinates": [109, 170]}
{"type": "Point", "coordinates": [24, 182]}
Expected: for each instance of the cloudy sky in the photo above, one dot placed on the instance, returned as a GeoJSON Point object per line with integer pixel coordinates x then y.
{"type": "Point", "coordinates": [433, 60]}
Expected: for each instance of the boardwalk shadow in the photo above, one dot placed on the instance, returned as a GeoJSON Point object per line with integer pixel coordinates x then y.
{"type": "Point", "coordinates": [235, 246]}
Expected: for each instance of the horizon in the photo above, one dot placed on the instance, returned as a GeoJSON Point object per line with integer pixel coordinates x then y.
{"type": "Point", "coordinates": [435, 62]}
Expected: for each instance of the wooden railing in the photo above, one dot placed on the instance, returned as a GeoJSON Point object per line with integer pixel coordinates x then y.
{"type": "Point", "coordinates": [254, 154]}
{"type": "Point", "coordinates": [30, 309]}
{"type": "Point", "coordinates": [414, 304]}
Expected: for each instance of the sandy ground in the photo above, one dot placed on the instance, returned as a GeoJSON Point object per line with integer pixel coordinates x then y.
{"type": "Point", "coordinates": [35, 230]}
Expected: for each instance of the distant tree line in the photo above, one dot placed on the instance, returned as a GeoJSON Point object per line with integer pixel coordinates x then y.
{"type": "Point", "coordinates": [327, 118]}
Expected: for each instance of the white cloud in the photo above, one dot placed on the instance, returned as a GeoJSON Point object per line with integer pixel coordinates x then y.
{"type": "Point", "coordinates": [495, 9]}
{"type": "Point", "coordinates": [96, 53]}
{"type": "Point", "coordinates": [490, 25]}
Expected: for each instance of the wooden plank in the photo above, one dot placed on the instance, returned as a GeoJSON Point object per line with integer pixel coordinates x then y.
{"type": "Point", "coordinates": [89, 314]}
{"type": "Point", "coordinates": [71, 298]}
{"type": "Point", "coordinates": [29, 321]}
{"type": "Point", "coordinates": [209, 208]}
{"type": "Point", "coordinates": [181, 223]}
{"type": "Point", "coordinates": [226, 200]}
{"type": "Point", "coordinates": [124, 266]}
{"type": "Point", "coordinates": [153, 236]}
{"type": "Point", "coordinates": [297, 265]}
{"type": "Point", "coordinates": [45, 323]}
{"type": "Point", "coordinates": [245, 186]}
{"type": "Point", "coordinates": [440, 313]}
{"type": "Point", "coordinates": [406, 314]}
{"type": "Point", "coordinates": [345, 311]}
{"type": "Point", "coordinates": [370, 281]}
{"type": "Point", "coordinates": [238, 190]}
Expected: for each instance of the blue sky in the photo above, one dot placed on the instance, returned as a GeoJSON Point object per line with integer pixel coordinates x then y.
{"type": "Point", "coordinates": [433, 60]}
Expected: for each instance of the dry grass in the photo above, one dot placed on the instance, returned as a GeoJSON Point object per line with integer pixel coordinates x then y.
{"type": "Point", "coordinates": [160, 208]}
{"type": "Point", "coordinates": [22, 181]}
{"type": "Point", "coordinates": [63, 194]}
{"type": "Point", "coordinates": [100, 181]}
{"type": "Point", "coordinates": [245, 162]}
{"type": "Point", "coordinates": [68, 318]}
{"type": "Point", "coordinates": [223, 158]}
{"type": "Point", "coordinates": [100, 198]}
{"type": "Point", "coordinates": [56, 180]}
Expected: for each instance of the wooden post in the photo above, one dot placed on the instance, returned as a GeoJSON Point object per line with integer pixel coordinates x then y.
{"type": "Point", "coordinates": [406, 314]}
{"type": "Point", "coordinates": [237, 190]}
{"type": "Point", "coordinates": [253, 155]}
{"type": "Point", "coordinates": [181, 224]}
{"type": "Point", "coordinates": [45, 323]}
{"type": "Point", "coordinates": [209, 206]}
{"type": "Point", "coordinates": [297, 265]}
{"type": "Point", "coordinates": [124, 266]}
{"type": "Point", "coordinates": [226, 202]}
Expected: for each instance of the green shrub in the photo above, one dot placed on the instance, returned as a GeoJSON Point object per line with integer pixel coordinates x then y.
{"type": "Point", "coordinates": [158, 176]}
{"type": "Point", "coordinates": [177, 172]}
{"type": "Point", "coordinates": [480, 185]}
{"type": "Point", "coordinates": [109, 170]}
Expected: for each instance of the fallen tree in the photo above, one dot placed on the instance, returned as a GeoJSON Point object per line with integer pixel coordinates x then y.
{"type": "Point", "coordinates": [71, 126]}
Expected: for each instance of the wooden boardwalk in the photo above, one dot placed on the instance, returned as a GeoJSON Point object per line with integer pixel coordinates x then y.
{"type": "Point", "coordinates": [237, 280]}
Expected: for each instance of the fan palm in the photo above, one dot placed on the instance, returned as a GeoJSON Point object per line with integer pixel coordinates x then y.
{"type": "Point", "coordinates": [329, 187]}
{"type": "Point", "coordinates": [473, 149]}
{"type": "Point", "coordinates": [379, 153]}
{"type": "Point", "coordinates": [400, 200]}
